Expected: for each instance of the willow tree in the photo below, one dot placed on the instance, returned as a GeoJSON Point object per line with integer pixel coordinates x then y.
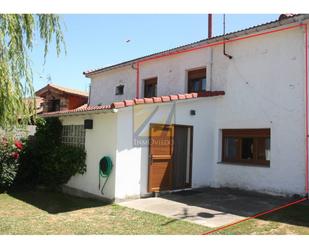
{"type": "Point", "coordinates": [18, 34]}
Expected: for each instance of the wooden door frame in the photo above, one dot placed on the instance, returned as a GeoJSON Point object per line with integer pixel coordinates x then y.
{"type": "Point", "coordinates": [191, 151]}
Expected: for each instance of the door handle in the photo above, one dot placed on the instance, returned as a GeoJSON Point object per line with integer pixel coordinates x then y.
{"type": "Point", "coordinates": [161, 157]}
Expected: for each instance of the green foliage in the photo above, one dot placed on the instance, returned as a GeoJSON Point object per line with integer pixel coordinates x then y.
{"type": "Point", "coordinates": [9, 154]}
{"type": "Point", "coordinates": [38, 149]}
{"type": "Point", "coordinates": [17, 33]}
{"type": "Point", "coordinates": [46, 161]}
{"type": "Point", "coordinates": [48, 133]}
{"type": "Point", "coordinates": [62, 164]}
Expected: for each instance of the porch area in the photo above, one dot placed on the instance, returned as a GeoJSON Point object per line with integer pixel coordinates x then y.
{"type": "Point", "coordinates": [210, 207]}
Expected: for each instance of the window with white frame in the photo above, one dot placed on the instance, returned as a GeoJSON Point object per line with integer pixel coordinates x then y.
{"type": "Point", "coordinates": [73, 135]}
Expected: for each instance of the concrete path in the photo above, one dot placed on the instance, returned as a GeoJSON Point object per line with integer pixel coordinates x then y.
{"type": "Point", "coordinates": [209, 207]}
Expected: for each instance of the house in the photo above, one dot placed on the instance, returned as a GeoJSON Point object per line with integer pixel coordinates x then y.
{"type": "Point", "coordinates": [38, 104]}
{"type": "Point", "coordinates": [58, 98]}
{"type": "Point", "coordinates": [227, 111]}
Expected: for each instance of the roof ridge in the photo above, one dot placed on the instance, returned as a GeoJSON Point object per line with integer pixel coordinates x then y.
{"type": "Point", "coordinates": [288, 19]}
{"type": "Point", "coordinates": [64, 89]}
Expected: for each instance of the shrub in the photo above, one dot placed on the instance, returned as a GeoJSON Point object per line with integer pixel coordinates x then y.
{"type": "Point", "coordinates": [37, 150]}
{"type": "Point", "coordinates": [9, 155]}
{"type": "Point", "coordinates": [63, 163]}
{"type": "Point", "coordinates": [29, 164]}
{"type": "Point", "coordinates": [46, 161]}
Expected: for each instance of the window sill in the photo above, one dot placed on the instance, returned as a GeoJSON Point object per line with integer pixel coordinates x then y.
{"type": "Point", "coordinates": [245, 164]}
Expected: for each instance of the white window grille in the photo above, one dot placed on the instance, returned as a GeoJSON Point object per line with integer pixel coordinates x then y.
{"type": "Point", "coordinates": [73, 135]}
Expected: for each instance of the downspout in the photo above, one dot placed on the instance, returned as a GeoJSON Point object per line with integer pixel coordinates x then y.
{"type": "Point", "coordinates": [211, 68]}
{"type": "Point", "coordinates": [209, 26]}
{"type": "Point", "coordinates": [89, 95]}
{"type": "Point", "coordinates": [227, 55]}
{"type": "Point", "coordinates": [137, 79]}
{"type": "Point", "coordinates": [211, 50]}
{"type": "Point", "coordinates": [306, 108]}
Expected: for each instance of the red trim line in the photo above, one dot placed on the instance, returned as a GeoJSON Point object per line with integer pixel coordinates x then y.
{"type": "Point", "coordinates": [137, 80]}
{"type": "Point", "coordinates": [255, 216]}
{"type": "Point", "coordinates": [220, 43]}
{"type": "Point", "coordinates": [205, 46]}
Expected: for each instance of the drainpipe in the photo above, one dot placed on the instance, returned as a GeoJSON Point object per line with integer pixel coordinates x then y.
{"type": "Point", "coordinates": [306, 109]}
{"type": "Point", "coordinates": [227, 55]}
{"type": "Point", "coordinates": [137, 79]}
{"type": "Point", "coordinates": [89, 95]}
{"type": "Point", "coordinates": [211, 50]}
{"type": "Point", "coordinates": [211, 68]}
{"type": "Point", "coordinates": [209, 26]}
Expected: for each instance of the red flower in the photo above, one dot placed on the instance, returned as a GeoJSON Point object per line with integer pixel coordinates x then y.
{"type": "Point", "coordinates": [18, 144]}
{"type": "Point", "coordinates": [15, 155]}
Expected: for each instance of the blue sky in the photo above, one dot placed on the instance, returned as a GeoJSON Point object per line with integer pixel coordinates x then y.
{"type": "Point", "coordinates": [100, 40]}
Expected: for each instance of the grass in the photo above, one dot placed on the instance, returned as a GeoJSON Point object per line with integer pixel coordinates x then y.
{"type": "Point", "coordinates": [291, 220]}
{"type": "Point", "coordinates": [38, 212]}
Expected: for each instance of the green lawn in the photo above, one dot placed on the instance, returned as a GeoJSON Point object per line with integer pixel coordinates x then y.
{"type": "Point", "coordinates": [40, 212]}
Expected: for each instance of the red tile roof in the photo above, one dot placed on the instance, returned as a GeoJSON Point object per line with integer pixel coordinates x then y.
{"type": "Point", "coordinates": [127, 103]}
{"type": "Point", "coordinates": [43, 90]}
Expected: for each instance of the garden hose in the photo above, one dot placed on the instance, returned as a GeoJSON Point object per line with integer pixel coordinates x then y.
{"type": "Point", "coordinates": [105, 169]}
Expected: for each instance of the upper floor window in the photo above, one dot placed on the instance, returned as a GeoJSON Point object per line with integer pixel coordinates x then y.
{"type": "Point", "coordinates": [119, 90]}
{"type": "Point", "coordinates": [53, 105]}
{"type": "Point", "coordinates": [150, 88]}
{"type": "Point", "coordinates": [247, 146]}
{"type": "Point", "coordinates": [197, 80]}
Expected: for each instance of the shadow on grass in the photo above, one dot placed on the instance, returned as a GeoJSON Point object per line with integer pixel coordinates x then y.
{"type": "Point", "coordinates": [294, 215]}
{"type": "Point", "coordinates": [241, 203]}
{"type": "Point", "coordinates": [186, 215]}
{"type": "Point", "coordinates": [55, 202]}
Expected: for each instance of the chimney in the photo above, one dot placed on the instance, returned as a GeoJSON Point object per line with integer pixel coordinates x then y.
{"type": "Point", "coordinates": [209, 26]}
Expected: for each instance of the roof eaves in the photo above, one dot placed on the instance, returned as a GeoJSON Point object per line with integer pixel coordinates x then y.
{"type": "Point", "coordinates": [77, 111]}
{"type": "Point", "coordinates": [61, 89]}
{"type": "Point", "coordinates": [128, 103]}
{"type": "Point", "coordinates": [250, 30]}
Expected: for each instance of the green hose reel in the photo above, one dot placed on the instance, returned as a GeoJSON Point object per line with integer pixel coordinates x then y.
{"type": "Point", "coordinates": [105, 169]}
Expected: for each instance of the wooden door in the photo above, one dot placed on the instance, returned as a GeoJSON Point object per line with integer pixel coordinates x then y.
{"type": "Point", "coordinates": [161, 139]}
{"type": "Point", "coordinates": [181, 157]}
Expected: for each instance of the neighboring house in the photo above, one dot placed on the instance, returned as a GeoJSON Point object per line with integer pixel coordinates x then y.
{"type": "Point", "coordinates": [58, 98]}
{"type": "Point", "coordinates": [212, 120]}
{"type": "Point", "coordinates": [38, 104]}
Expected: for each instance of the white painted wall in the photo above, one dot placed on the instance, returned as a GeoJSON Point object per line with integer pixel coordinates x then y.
{"type": "Point", "coordinates": [99, 142]}
{"type": "Point", "coordinates": [171, 74]}
{"type": "Point", "coordinates": [129, 158]}
{"type": "Point", "coordinates": [172, 71]}
{"type": "Point", "coordinates": [264, 85]}
{"type": "Point", "coordinates": [103, 86]}
{"type": "Point", "coordinates": [133, 161]}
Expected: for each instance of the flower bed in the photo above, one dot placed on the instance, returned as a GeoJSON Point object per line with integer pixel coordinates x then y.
{"type": "Point", "coordinates": [9, 154]}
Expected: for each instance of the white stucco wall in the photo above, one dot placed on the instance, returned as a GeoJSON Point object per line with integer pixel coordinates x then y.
{"type": "Point", "coordinates": [103, 86]}
{"type": "Point", "coordinates": [132, 162]}
{"type": "Point", "coordinates": [129, 159]}
{"type": "Point", "coordinates": [264, 86]}
{"type": "Point", "coordinates": [99, 142]}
